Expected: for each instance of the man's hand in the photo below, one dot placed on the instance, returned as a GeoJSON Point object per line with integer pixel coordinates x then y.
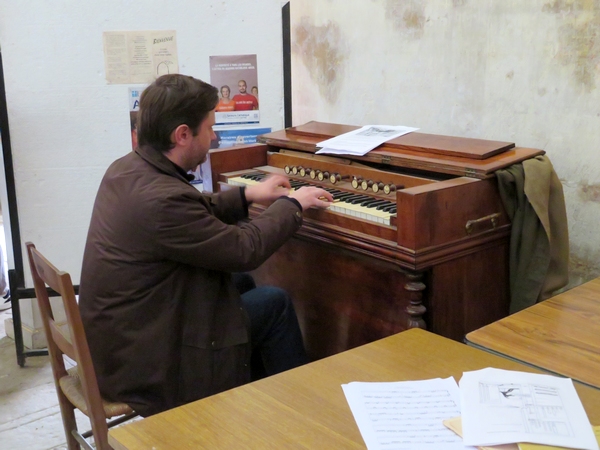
{"type": "Point", "coordinates": [312, 197]}
{"type": "Point", "coordinates": [269, 190]}
{"type": "Point", "coordinates": [275, 186]}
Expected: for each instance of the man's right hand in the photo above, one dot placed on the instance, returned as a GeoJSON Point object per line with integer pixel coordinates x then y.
{"type": "Point", "coordinates": [312, 197]}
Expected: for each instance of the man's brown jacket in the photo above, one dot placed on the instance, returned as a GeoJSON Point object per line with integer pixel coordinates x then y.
{"type": "Point", "coordinates": [164, 323]}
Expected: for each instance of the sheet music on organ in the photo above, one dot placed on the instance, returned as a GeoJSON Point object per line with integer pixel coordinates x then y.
{"type": "Point", "coordinates": [406, 415]}
{"type": "Point", "coordinates": [362, 141]}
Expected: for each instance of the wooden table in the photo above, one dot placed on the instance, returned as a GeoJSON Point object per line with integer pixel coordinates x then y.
{"type": "Point", "coordinates": [560, 335]}
{"type": "Point", "coordinates": [306, 407]}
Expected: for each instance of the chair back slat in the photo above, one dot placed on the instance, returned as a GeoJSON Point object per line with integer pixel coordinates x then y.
{"type": "Point", "coordinates": [61, 341]}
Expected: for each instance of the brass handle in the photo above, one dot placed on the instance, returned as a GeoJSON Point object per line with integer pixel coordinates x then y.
{"type": "Point", "coordinates": [479, 224]}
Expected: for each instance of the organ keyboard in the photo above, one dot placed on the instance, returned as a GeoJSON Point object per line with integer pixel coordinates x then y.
{"type": "Point", "coordinates": [418, 235]}
{"type": "Point", "coordinates": [362, 206]}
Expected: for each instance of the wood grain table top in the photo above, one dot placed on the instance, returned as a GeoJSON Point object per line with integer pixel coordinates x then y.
{"type": "Point", "coordinates": [560, 335]}
{"type": "Point", "coordinates": [306, 408]}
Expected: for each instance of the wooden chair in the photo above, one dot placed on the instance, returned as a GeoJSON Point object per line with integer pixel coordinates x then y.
{"type": "Point", "coordinates": [76, 387]}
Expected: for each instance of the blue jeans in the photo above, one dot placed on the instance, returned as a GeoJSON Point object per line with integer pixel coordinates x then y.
{"type": "Point", "coordinates": [275, 334]}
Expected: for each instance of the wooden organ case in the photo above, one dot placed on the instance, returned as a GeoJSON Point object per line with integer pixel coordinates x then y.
{"type": "Point", "coordinates": [435, 256]}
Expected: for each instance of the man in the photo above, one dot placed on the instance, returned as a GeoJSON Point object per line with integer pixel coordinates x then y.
{"type": "Point", "coordinates": [165, 323]}
{"type": "Point", "coordinates": [243, 100]}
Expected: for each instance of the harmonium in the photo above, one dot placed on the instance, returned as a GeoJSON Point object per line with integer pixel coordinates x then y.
{"type": "Point", "coordinates": [418, 235]}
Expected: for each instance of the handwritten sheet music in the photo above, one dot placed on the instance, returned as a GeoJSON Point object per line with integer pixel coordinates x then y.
{"type": "Point", "coordinates": [503, 406]}
{"type": "Point", "coordinates": [406, 415]}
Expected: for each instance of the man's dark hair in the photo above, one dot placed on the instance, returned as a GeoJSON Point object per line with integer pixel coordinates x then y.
{"type": "Point", "coordinates": [170, 101]}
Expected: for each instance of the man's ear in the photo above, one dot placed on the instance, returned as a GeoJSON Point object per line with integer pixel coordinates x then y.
{"type": "Point", "coordinates": [181, 135]}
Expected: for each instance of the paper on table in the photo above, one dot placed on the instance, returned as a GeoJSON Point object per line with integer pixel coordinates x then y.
{"type": "Point", "coordinates": [455, 424]}
{"type": "Point", "coordinates": [503, 406]}
{"type": "Point", "coordinates": [528, 446]}
{"type": "Point", "coordinates": [406, 415]}
{"type": "Point", "coordinates": [362, 141]}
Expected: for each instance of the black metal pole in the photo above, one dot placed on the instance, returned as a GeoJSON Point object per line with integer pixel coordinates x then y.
{"type": "Point", "coordinates": [287, 65]}
{"type": "Point", "coordinates": [15, 276]}
{"type": "Point", "coordinates": [10, 182]}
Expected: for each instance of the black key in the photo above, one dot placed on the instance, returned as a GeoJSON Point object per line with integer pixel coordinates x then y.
{"type": "Point", "coordinates": [378, 203]}
{"type": "Point", "coordinates": [370, 202]}
{"type": "Point", "coordinates": [346, 196]}
{"type": "Point", "coordinates": [360, 199]}
{"type": "Point", "coordinates": [338, 196]}
{"type": "Point", "coordinates": [252, 176]}
{"type": "Point", "coordinates": [387, 204]}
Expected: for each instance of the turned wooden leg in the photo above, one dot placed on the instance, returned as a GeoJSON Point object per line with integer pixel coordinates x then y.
{"type": "Point", "coordinates": [415, 310]}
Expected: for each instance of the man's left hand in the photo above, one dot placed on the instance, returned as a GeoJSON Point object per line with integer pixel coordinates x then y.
{"type": "Point", "coordinates": [269, 190]}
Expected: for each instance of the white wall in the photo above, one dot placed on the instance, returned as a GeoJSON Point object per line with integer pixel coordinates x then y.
{"type": "Point", "coordinates": [67, 124]}
{"type": "Point", "coordinates": [521, 71]}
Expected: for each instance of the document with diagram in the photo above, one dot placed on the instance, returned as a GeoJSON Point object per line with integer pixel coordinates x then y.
{"type": "Point", "coordinates": [502, 407]}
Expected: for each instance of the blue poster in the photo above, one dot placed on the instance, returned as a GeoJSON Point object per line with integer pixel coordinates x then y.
{"type": "Point", "coordinates": [230, 137]}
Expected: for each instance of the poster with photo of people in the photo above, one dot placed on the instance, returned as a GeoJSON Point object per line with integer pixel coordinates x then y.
{"type": "Point", "coordinates": [236, 77]}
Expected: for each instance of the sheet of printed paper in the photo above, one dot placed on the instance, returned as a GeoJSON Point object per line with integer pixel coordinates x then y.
{"type": "Point", "coordinates": [503, 406]}
{"type": "Point", "coordinates": [406, 415]}
{"type": "Point", "coordinates": [139, 57]}
{"type": "Point", "coordinates": [362, 141]}
{"type": "Point", "coordinates": [528, 446]}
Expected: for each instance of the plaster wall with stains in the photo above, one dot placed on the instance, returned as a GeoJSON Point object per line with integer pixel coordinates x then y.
{"type": "Point", "coordinates": [525, 72]}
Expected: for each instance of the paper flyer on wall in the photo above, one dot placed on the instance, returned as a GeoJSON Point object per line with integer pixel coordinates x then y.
{"type": "Point", "coordinates": [132, 57]}
{"type": "Point", "coordinates": [236, 77]}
